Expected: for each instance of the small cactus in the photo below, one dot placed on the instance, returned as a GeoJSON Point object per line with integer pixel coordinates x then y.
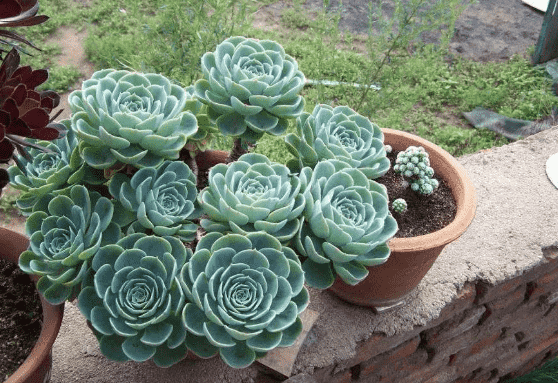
{"type": "Point", "coordinates": [414, 163]}
{"type": "Point", "coordinates": [399, 205]}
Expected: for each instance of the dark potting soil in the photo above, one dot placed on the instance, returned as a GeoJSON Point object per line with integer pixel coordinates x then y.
{"type": "Point", "coordinates": [425, 214]}
{"type": "Point", "coordinates": [20, 317]}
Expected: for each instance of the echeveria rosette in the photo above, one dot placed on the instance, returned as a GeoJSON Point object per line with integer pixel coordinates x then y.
{"type": "Point", "coordinates": [50, 171]}
{"type": "Point", "coordinates": [339, 133]}
{"type": "Point", "coordinates": [130, 118]}
{"type": "Point", "coordinates": [246, 294]}
{"type": "Point", "coordinates": [64, 237]}
{"type": "Point", "coordinates": [134, 300]}
{"type": "Point", "coordinates": [251, 87]}
{"type": "Point", "coordinates": [253, 194]}
{"type": "Point", "coordinates": [346, 224]}
{"type": "Point", "coordinates": [163, 200]}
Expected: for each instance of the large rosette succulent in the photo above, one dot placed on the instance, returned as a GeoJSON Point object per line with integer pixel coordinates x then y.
{"type": "Point", "coordinates": [251, 87]}
{"type": "Point", "coordinates": [246, 295]}
{"type": "Point", "coordinates": [131, 118]}
{"type": "Point", "coordinates": [346, 224]}
{"type": "Point", "coordinates": [50, 171]}
{"type": "Point", "coordinates": [253, 194]}
{"type": "Point", "coordinates": [64, 236]}
{"type": "Point", "coordinates": [162, 200]}
{"type": "Point", "coordinates": [134, 301]}
{"type": "Point", "coordinates": [339, 133]}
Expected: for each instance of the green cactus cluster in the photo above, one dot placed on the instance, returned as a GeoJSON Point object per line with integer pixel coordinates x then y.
{"type": "Point", "coordinates": [399, 205]}
{"type": "Point", "coordinates": [414, 163]}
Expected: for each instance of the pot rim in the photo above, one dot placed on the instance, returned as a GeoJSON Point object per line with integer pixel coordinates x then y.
{"type": "Point", "coordinates": [12, 244]}
{"type": "Point", "coordinates": [461, 185]}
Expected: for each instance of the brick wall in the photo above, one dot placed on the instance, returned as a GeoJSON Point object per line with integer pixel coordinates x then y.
{"type": "Point", "coordinates": [484, 335]}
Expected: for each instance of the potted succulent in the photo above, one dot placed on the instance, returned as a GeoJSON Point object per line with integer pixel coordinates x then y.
{"type": "Point", "coordinates": [385, 271]}
{"type": "Point", "coordinates": [121, 218]}
{"type": "Point", "coordinates": [24, 113]}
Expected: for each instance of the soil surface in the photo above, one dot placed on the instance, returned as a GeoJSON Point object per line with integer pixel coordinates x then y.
{"type": "Point", "coordinates": [20, 317]}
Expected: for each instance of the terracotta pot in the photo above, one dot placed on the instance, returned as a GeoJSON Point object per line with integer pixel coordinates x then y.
{"type": "Point", "coordinates": [388, 284]}
{"type": "Point", "coordinates": [37, 367]}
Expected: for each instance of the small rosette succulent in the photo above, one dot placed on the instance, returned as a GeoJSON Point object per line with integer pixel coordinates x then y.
{"type": "Point", "coordinates": [253, 194]}
{"type": "Point", "coordinates": [130, 118]}
{"type": "Point", "coordinates": [246, 295]}
{"type": "Point", "coordinates": [251, 87]}
{"type": "Point", "coordinates": [64, 235]}
{"type": "Point", "coordinates": [162, 200]}
{"type": "Point", "coordinates": [339, 133]}
{"type": "Point", "coordinates": [346, 224]}
{"type": "Point", "coordinates": [50, 171]}
{"type": "Point", "coordinates": [134, 301]}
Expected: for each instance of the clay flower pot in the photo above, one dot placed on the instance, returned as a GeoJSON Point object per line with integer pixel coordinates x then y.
{"type": "Point", "coordinates": [37, 367]}
{"type": "Point", "coordinates": [388, 284]}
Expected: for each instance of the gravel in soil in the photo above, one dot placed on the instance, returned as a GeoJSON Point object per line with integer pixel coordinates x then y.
{"type": "Point", "coordinates": [20, 317]}
{"type": "Point", "coordinates": [424, 214]}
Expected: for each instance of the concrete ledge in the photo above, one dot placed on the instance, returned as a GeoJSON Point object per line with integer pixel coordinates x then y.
{"type": "Point", "coordinates": [484, 286]}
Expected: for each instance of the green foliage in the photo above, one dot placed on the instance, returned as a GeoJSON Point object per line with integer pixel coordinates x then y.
{"type": "Point", "coordinates": [251, 88]}
{"type": "Point", "coordinates": [162, 200]}
{"type": "Point", "coordinates": [134, 301]}
{"type": "Point", "coordinates": [346, 224]}
{"type": "Point", "coordinates": [339, 133]}
{"type": "Point", "coordinates": [130, 118]}
{"type": "Point", "coordinates": [246, 294]}
{"type": "Point", "coordinates": [253, 194]}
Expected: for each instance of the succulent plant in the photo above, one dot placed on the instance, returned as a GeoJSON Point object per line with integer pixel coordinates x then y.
{"type": "Point", "coordinates": [399, 205]}
{"type": "Point", "coordinates": [414, 163]}
{"type": "Point", "coordinates": [134, 300]}
{"type": "Point", "coordinates": [131, 118]}
{"type": "Point", "coordinates": [339, 133]}
{"type": "Point", "coordinates": [50, 171]}
{"type": "Point", "coordinates": [346, 226]}
{"type": "Point", "coordinates": [24, 112]}
{"type": "Point", "coordinates": [162, 200]}
{"type": "Point", "coordinates": [251, 87]}
{"type": "Point", "coordinates": [253, 194]}
{"type": "Point", "coordinates": [65, 233]}
{"type": "Point", "coordinates": [18, 13]}
{"type": "Point", "coordinates": [246, 294]}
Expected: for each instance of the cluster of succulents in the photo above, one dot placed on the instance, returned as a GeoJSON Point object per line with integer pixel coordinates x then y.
{"type": "Point", "coordinates": [414, 163]}
{"type": "Point", "coordinates": [161, 268]}
{"type": "Point", "coordinates": [399, 205]}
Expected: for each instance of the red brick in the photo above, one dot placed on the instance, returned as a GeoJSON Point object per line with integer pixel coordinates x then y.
{"type": "Point", "coordinates": [509, 302]}
{"type": "Point", "coordinates": [446, 376]}
{"type": "Point", "coordinates": [546, 284]}
{"type": "Point", "coordinates": [464, 300]}
{"type": "Point", "coordinates": [456, 327]}
{"type": "Point", "coordinates": [377, 344]}
{"type": "Point", "coordinates": [345, 376]}
{"type": "Point", "coordinates": [390, 358]}
{"type": "Point", "coordinates": [489, 293]}
{"type": "Point", "coordinates": [486, 342]}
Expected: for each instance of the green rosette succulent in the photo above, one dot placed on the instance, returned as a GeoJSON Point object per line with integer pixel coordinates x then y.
{"type": "Point", "coordinates": [253, 194]}
{"type": "Point", "coordinates": [134, 300]}
{"type": "Point", "coordinates": [206, 128]}
{"type": "Point", "coordinates": [163, 200]}
{"type": "Point", "coordinates": [50, 171]}
{"type": "Point", "coordinates": [338, 133]}
{"type": "Point", "coordinates": [64, 235]}
{"type": "Point", "coordinates": [251, 87]}
{"type": "Point", "coordinates": [130, 118]}
{"type": "Point", "coordinates": [246, 294]}
{"type": "Point", "coordinates": [346, 224]}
